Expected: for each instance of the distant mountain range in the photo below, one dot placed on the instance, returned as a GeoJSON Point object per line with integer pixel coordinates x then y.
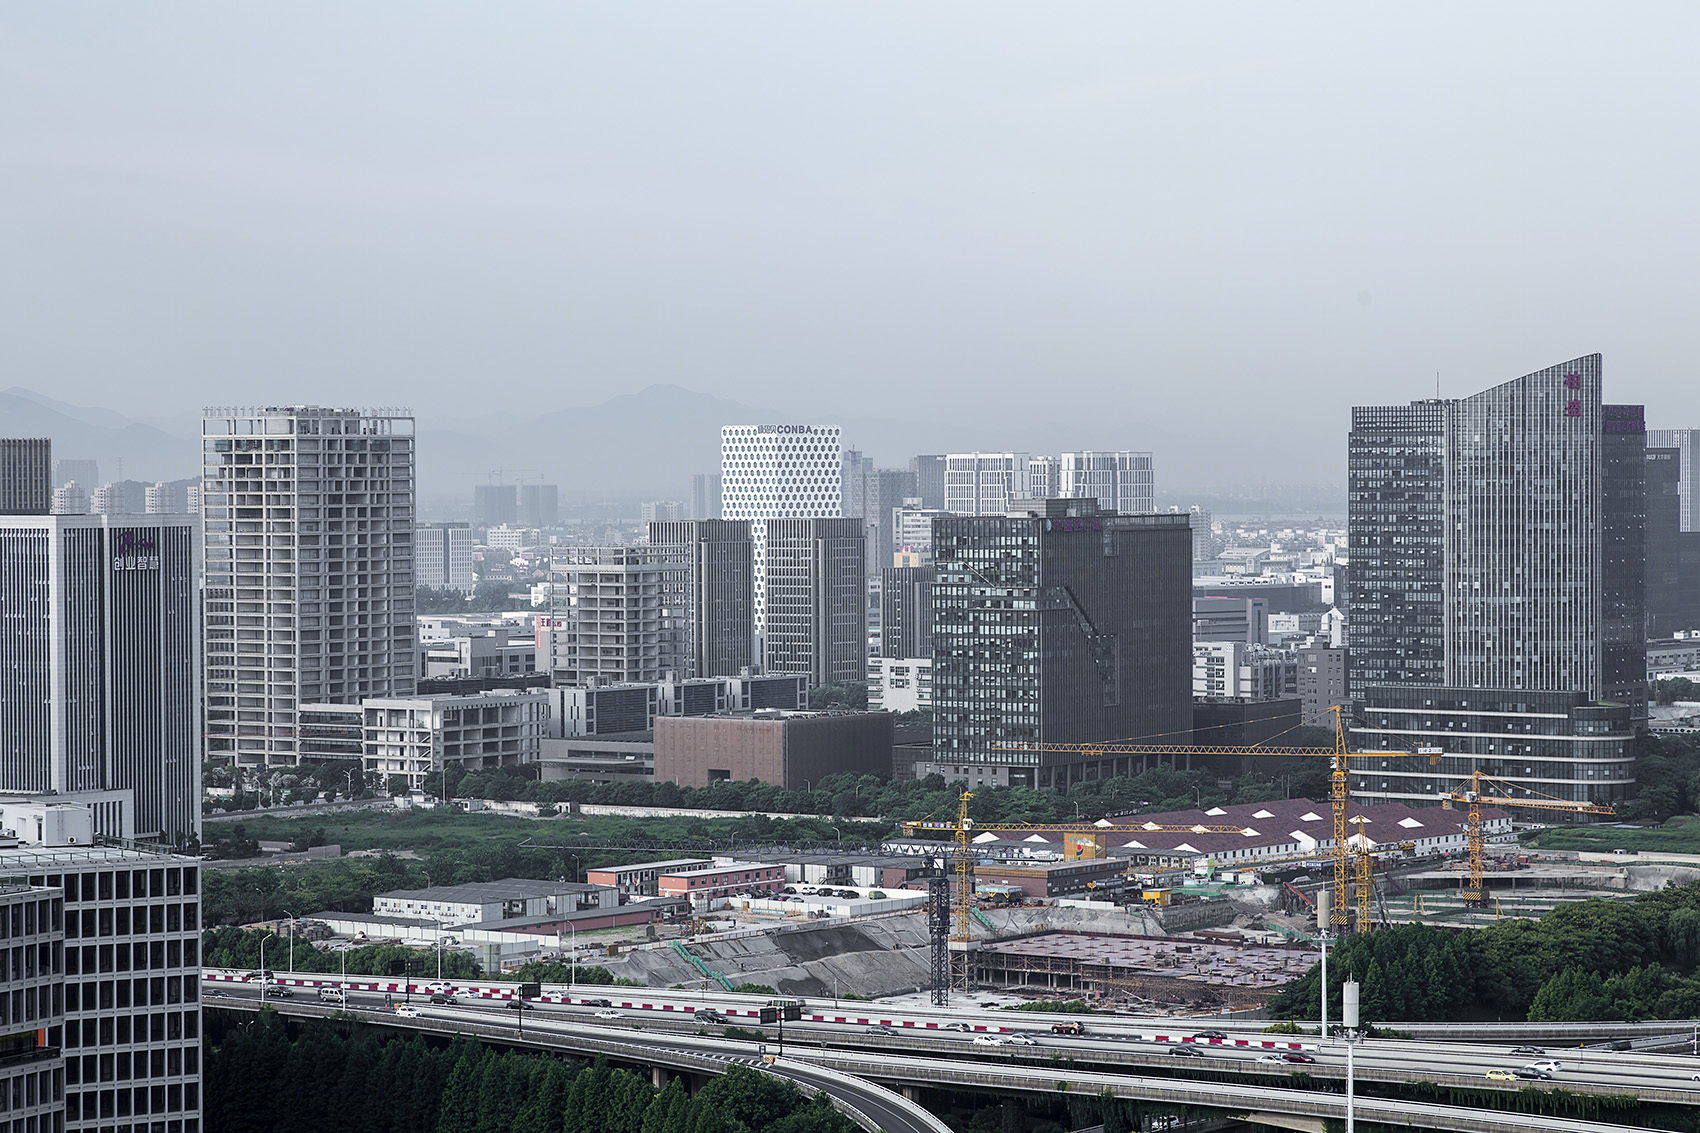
{"type": "Point", "coordinates": [640, 446]}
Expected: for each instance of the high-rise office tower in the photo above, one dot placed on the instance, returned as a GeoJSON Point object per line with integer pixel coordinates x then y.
{"type": "Point", "coordinates": [661, 511]}
{"type": "Point", "coordinates": [778, 472]}
{"type": "Point", "coordinates": [929, 480]}
{"type": "Point", "coordinates": [705, 495]}
{"type": "Point", "coordinates": [495, 505]}
{"type": "Point", "coordinates": [100, 646]}
{"type": "Point", "coordinates": [984, 483]}
{"type": "Point", "coordinates": [120, 497]}
{"type": "Point", "coordinates": [443, 553]}
{"type": "Point", "coordinates": [817, 617]}
{"type": "Point", "coordinates": [1056, 622]}
{"type": "Point", "coordinates": [710, 591]}
{"type": "Point", "coordinates": [1498, 587]}
{"type": "Point", "coordinates": [82, 471]}
{"type": "Point", "coordinates": [906, 611]}
{"type": "Point", "coordinates": [1044, 477]}
{"type": "Point", "coordinates": [1673, 555]}
{"type": "Point", "coordinates": [26, 475]}
{"type": "Point", "coordinates": [1119, 481]}
{"type": "Point", "coordinates": [308, 515]}
{"type": "Point", "coordinates": [871, 494]}
{"type": "Point", "coordinates": [611, 622]}
{"type": "Point", "coordinates": [1686, 442]}
{"type": "Point", "coordinates": [539, 505]}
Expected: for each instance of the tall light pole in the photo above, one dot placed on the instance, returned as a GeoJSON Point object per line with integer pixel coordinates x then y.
{"type": "Point", "coordinates": [263, 967]}
{"type": "Point", "coordinates": [1324, 918]}
{"type": "Point", "coordinates": [1349, 1008]}
{"type": "Point", "coordinates": [291, 943]}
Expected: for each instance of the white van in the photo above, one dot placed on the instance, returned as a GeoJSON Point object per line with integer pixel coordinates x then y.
{"type": "Point", "coordinates": [332, 995]}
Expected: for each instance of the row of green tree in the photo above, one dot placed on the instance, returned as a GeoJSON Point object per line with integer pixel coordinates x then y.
{"type": "Point", "coordinates": [1596, 959]}
{"type": "Point", "coordinates": [873, 796]}
{"type": "Point", "coordinates": [487, 597]}
{"type": "Point", "coordinates": [240, 948]}
{"type": "Point", "coordinates": [330, 1078]}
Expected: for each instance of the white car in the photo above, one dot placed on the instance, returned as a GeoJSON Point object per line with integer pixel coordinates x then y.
{"type": "Point", "coordinates": [1272, 1058]}
{"type": "Point", "coordinates": [438, 989]}
{"type": "Point", "coordinates": [1021, 1040]}
{"type": "Point", "coordinates": [609, 1013]}
{"type": "Point", "coordinates": [406, 1011]}
{"type": "Point", "coordinates": [1548, 1065]}
{"type": "Point", "coordinates": [988, 1040]}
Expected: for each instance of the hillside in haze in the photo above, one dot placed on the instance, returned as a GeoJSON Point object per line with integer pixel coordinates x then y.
{"type": "Point", "coordinates": [647, 445]}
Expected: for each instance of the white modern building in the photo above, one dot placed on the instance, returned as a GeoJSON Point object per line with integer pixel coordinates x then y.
{"type": "Point", "coordinates": [984, 483]}
{"type": "Point", "coordinates": [1119, 481]}
{"type": "Point", "coordinates": [309, 523]}
{"type": "Point", "coordinates": [444, 555]}
{"type": "Point", "coordinates": [416, 737]}
{"type": "Point", "coordinates": [779, 472]}
{"type": "Point", "coordinates": [131, 1045]}
{"type": "Point", "coordinates": [1044, 477]}
{"type": "Point", "coordinates": [100, 681]}
{"type": "Point", "coordinates": [912, 530]}
{"type": "Point", "coordinates": [900, 684]}
{"type": "Point", "coordinates": [1234, 670]}
{"type": "Point", "coordinates": [70, 499]}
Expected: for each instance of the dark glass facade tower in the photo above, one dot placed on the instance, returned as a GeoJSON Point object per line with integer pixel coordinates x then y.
{"type": "Point", "coordinates": [817, 617]}
{"type": "Point", "coordinates": [1057, 623]}
{"type": "Point", "coordinates": [1498, 586]}
{"type": "Point", "coordinates": [709, 593]}
{"type": "Point", "coordinates": [906, 611]}
{"type": "Point", "coordinates": [26, 481]}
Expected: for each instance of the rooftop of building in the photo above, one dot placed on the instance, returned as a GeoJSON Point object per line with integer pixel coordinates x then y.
{"type": "Point", "coordinates": [718, 867]}
{"type": "Point", "coordinates": [670, 863]}
{"type": "Point", "coordinates": [479, 893]}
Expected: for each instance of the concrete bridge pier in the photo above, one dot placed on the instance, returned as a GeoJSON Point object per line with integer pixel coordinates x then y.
{"type": "Point", "coordinates": [658, 1077]}
{"type": "Point", "coordinates": [911, 1092]}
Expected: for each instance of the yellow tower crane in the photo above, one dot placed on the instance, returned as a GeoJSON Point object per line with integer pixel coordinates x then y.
{"type": "Point", "coordinates": [1337, 790]}
{"type": "Point", "coordinates": [1471, 794]}
{"type": "Point", "coordinates": [962, 898]}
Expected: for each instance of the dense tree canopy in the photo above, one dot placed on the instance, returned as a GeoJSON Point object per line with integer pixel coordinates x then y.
{"type": "Point", "coordinates": [326, 1080]}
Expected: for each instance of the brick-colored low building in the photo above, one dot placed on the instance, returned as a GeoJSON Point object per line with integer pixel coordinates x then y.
{"type": "Point", "coordinates": [642, 878]}
{"type": "Point", "coordinates": [722, 879]}
{"type": "Point", "coordinates": [787, 749]}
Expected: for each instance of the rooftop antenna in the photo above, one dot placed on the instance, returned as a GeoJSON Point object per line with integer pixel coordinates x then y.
{"type": "Point", "coordinates": [1437, 385]}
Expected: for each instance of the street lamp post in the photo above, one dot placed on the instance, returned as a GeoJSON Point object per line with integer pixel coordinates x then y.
{"type": "Point", "coordinates": [1349, 1008]}
{"type": "Point", "coordinates": [263, 967]}
{"type": "Point", "coordinates": [291, 943]}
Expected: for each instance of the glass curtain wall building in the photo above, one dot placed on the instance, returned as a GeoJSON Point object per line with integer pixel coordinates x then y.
{"type": "Point", "coordinates": [1498, 588]}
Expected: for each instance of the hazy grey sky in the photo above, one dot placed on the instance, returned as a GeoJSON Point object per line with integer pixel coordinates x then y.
{"type": "Point", "coordinates": [1219, 218]}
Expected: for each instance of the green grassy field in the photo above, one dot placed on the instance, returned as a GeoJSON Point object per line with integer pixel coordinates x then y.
{"type": "Point", "coordinates": [1678, 836]}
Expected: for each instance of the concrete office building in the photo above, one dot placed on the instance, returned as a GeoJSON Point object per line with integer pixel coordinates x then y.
{"type": "Point", "coordinates": [871, 495]}
{"type": "Point", "coordinates": [705, 495]}
{"type": "Point", "coordinates": [709, 590]}
{"type": "Point", "coordinates": [1322, 680]}
{"type": "Point", "coordinates": [101, 645]}
{"type": "Point", "coordinates": [444, 555]}
{"type": "Point", "coordinates": [1044, 477]}
{"type": "Point", "coordinates": [929, 480]}
{"type": "Point", "coordinates": [166, 498]}
{"type": "Point", "coordinates": [82, 471]}
{"type": "Point", "coordinates": [495, 505]}
{"type": "Point", "coordinates": [1235, 670]}
{"type": "Point", "coordinates": [611, 622]}
{"type": "Point", "coordinates": [26, 475]}
{"type": "Point", "coordinates": [309, 521]}
{"type": "Point", "coordinates": [912, 531]}
{"type": "Point", "coordinates": [121, 497]}
{"type": "Point", "coordinates": [1119, 481]}
{"type": "Point", "coordinates": [906, 611]}
{"type": "Point", "coordinates": [619, 709]}
{"type": "Point", "coordinates": [131, 1046]}
{"type": "Point", "coordinates": [539, 505]}
{"type": "Point", "coordinates": [1673, 555]}
{"type": "Point", "coordinates": [787, 749]}
{"type": "Point", "coordinates": [1498, 587]}
{"type": "Point", "coordinates": [70, 499]}
{"type": "Point", "coordinates": [417, 737]}
{"type": "Point", "coordinates": [900, 684]}
{"type": "Point", "coordinates": [984, 483]}
{"type": "Point", "coordinates": [817, 617]}
{"type": "Point", "coordinates": [1056, 623]}
{"type": "Point", "coordinates": [1686, 442]}
{"type": "Point", "coordinates": [32, 1015]}
{"type": "Point", "coordinates": [1218, 617]}
{"type": "Point", "coordinates": [779, 472]}
{"type": "Point", "coordinates": [661, 511]}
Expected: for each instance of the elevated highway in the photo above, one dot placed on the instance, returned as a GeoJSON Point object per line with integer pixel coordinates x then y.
{"type": "Point", "coordinates": [918, 1057]}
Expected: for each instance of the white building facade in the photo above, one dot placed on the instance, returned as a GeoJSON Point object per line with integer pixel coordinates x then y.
{"type": "Point", "coordinates": [308, 516]}
{"type": "Point", "coordinates": [900, 684]}
{"type": "Point", "coordinates": [415, 737]}
{"type": "Point", "coordinates": [1119, 481]}
{"type": "Point", "coordinates": [779, 472]}
{"type": "Point", "coordinates": [444, 555]}
{"type": "Point", "coordinates": [983, 483]}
